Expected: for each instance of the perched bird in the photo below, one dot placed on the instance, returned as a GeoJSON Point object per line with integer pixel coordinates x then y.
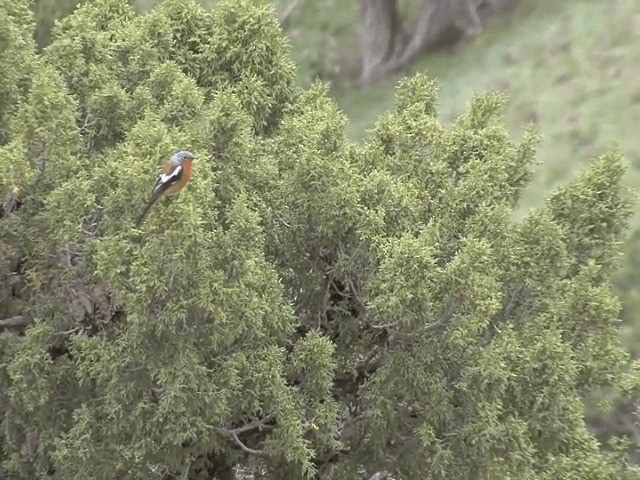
{"type": "Point", "coordinates": [175, 176]}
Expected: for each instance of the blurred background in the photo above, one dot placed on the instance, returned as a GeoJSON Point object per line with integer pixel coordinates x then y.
{"type": "Point", "coordinates": [571, 67]}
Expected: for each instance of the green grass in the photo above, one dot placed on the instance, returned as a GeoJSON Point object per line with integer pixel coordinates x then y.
{"type": "Point", "coordinates": [571, 67]}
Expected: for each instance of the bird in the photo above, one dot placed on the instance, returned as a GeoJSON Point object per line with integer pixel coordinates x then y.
{"type": "Point", "coordinates": [175, 176]}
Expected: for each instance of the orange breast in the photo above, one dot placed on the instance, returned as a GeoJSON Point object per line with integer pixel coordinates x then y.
{"type": "Point", "coordinates": [186, 174]}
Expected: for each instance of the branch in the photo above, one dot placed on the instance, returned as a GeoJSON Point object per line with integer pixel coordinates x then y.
{"type": "Point", "coordinates": [365, 368]}
{"type": "Point", "coordinates": [254, 424]}
{"type": "Point", "coordinates": [382, 327]}
{"type": "Point", "coordinates": [19, 321]}
{"type": "Point", "coordinates": [89, 121]}
{"type": "Point", "coordinates": [443, 319]}
{"type": "Point", "coordinates": [435, 325]}
{"type": "Point", "coordinates": [233, 433]}
{"type": "Point", "coordinates": [236, 439]}
{"type": "Point", "coordinates": [513, 302]}
{"type": "Point", "coordinates": [355, 293]}
{"type": "Point", "coordinates": [279, 218]}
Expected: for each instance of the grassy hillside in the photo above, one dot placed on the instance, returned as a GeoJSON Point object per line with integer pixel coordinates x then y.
{"type": "Point", "coordinates": [571, 67]}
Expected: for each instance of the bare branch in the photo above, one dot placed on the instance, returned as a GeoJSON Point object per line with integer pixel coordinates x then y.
{"type": "Point", "coordinates": [236, 439]}
{"type": "Point", "coordinates": [280, 219]}
{"type": "Point", "coordinates": [513, 302]}
{"type": "Point", "coordinates": [356, 294]}
{"type": "Point", "coordinates": [382, 327]}
{"type": "Point", "coordinates": [233, 433]}
{"type": "Point", "coordinates": [258, 423]}
{"type": "Point", "coordinates": [363, 368]}
{"type": "Point", "coordinates": [68, 332]}
{"type": "Point", "coordinates": [444, 319]}
{"type": "Point", "coordinates": [436, 325]}
{"type": "Point", "coordinates": [19, 321]}
{"type": "Point", "coordinates": [89, 121]}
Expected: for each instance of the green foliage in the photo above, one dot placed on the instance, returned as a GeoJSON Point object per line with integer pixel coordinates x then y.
{"type": "Point", "coordinates": [307, 307]}
{"type": "Point", "coordinates": [17, 57]}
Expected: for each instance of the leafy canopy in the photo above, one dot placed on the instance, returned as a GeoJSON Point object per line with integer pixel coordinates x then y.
{"type": "Point", "coordinates": [307, 306]}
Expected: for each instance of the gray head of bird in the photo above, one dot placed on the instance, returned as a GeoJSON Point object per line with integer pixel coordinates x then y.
{"type": "Point", "coordinates": [181, 157]}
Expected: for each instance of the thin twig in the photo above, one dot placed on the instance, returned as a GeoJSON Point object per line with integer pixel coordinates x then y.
{"type": "Point", "coordinates": [89, 121]}
{"type": "Point", "coordinates": [513, 302]}
{"type": "Point", "coordinates": [382, 327]}
{"type": "Point", "coordinates": [355, 293]}
{"type": "Point", "coordinates": [233, 433]}
{"type": "Point", "coordinates": [280, 219]}
{"type": "Point", "coordinates": [236, 439]}
{"type": "Point", "coordinates": [253, 424]}
{"type": "Point", "coordinates": [435, 325]}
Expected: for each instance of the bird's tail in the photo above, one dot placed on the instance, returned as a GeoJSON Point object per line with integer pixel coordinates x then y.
{"type": "Point", "coordinates": [146, 210]}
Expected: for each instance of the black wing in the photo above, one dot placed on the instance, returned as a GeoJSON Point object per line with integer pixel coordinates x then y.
{"type": "Point", "coordinates": [166, 180]}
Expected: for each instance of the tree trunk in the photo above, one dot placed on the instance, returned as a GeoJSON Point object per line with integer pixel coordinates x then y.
{"type": "Point", "coordinates": [383, 38]}
{"type": "Point", "coordinates": [387, 47]}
